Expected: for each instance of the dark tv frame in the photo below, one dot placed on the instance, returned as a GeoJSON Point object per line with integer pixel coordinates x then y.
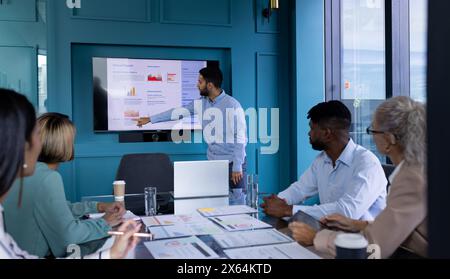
{"type": "Point", "coordinates": [135, 135]}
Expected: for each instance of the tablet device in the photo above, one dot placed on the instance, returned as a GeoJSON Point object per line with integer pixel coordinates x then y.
{"type": "Point", "coordinates": [302, 217]}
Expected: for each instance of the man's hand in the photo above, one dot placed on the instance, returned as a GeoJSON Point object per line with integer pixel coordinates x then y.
{"type": "Point", "coordinates": [114, 207]}
{"type": "Point", "coordinates": [142, 121]}
{"type": "Point", "coordinates": [302, 233]}
{"type": "Point", "coordinates": [236, 177]}
{"type": "Point", "coordinates": [276, 207]}
{"type": "Point", "coordinates": [340, 222]}
{"type": "Point", "coordinates": [126, 242]}
{"type": "Point", "coordinates": [113, 219]}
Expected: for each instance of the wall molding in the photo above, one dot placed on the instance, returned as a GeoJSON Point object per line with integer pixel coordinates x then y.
{"type": "Point", "coordinates": [148, 16]}
{"type": "Point", "coordinates": [163, 20]}
{"type": "Point", "coordinates": [32, 17]}
{"type": "Point", "coordinates": [259, 56]}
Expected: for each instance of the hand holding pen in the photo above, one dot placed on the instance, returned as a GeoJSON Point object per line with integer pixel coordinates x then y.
{"type": "Point", "coordinates": [127, 241]}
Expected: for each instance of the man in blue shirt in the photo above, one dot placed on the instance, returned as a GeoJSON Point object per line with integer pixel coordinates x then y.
{"type": "Point", "coordinates": [348, 178]}
{"type": "Point", "coordinates": [227, 143]}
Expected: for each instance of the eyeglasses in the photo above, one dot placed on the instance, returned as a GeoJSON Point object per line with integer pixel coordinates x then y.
{"type": "Point", "coordinates": [370, 131]}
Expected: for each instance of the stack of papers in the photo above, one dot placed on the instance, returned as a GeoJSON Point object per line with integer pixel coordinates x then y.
{"type": "Point", "coordinates": [170, 220]}
{"type": "Point", "coordinates": [182, 230]}
{"type": "Point", "coordinates": [241, 222]}
{"type": "Point", "coordinates": [172, 226]}
{"type": "Point", "coordinates": [281, 251]}
{"type": "Point", "coordinates": [251, 238]}
{"type": "Point", "coordinates": [128, 216]}
{"type": "Point", "coordinates": [227, 210]}
{"type": "Point", "coordinates": [180, 248]}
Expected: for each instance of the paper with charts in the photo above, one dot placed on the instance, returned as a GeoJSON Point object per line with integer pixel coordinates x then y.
{"type": "Point", "coordinates": [226, 210]}
{"type": "Point", "coordinates": [169, 220]}
{"type": "Point", "coordinates": [250, 238]}
{"type": "Point", "coordinates": [180, 248]}
{"type": "Point", "coordinates": [181, 230]}
{"type": "Point", "coordinates": [280, 251]}
{"type": "Point", "coordinates": [241, 222]}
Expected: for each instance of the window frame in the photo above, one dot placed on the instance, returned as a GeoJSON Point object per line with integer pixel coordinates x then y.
{"type": "Point", "coordinates": [397, 37]}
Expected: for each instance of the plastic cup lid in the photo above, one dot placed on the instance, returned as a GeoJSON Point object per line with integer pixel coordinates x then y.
{"type": "Point", "coordinates": [119, 182]}
{"type": "Point", "coordinates": [351, 241]}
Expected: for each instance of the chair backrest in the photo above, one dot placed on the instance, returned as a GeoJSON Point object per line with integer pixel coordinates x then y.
{"type": "Point", "coordinates": [388, 170]}
{"type": "Point", "coordinates": [146, 170]}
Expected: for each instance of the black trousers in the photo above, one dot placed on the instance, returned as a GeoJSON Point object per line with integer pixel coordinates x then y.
{"type": "Point", "coordinates": [243, 181]}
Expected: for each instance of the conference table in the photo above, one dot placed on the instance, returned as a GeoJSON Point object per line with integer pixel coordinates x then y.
{"type": "Point", "coordinates": [168, 205]}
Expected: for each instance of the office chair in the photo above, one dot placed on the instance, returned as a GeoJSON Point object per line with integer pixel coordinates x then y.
{"type": "Point", "coordinates": [146, 170]}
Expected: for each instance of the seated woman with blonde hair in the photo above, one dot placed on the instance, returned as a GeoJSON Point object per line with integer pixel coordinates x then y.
{"type": "Point", "coordinates": [45, 224]}
{"type": "Point", "coordinates": [399, 131]}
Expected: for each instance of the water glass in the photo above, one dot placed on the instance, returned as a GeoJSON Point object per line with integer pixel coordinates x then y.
{"type": "Point", "coordinates": [255, 192]}
{"type": "Point", "coordinates": [150, 201]}
{"type": "Point", "coordinates": [251, 191]}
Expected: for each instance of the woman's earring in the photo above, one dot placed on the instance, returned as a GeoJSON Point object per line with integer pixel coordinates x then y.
{"type": "Point", "coordinates": [25, 166]}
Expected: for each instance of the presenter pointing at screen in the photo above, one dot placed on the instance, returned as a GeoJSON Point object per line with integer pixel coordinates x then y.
{"type": "Point", "coordinates": [227, 146]}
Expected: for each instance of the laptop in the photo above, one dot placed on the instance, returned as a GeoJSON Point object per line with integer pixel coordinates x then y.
{"type": "Point", "coordinates": [198, 179]}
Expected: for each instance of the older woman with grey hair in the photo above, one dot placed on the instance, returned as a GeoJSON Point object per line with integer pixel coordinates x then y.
{"type": "Point", "coordinates": [399, 131]}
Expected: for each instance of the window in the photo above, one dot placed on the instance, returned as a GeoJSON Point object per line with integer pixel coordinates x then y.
{"type": "Point", "coordinates": [363, 63]}
{"type": "Point", "coordinates": [42, 83]}
{"type": "Point", "coordinates": [375, 49]}
{"type": "Point", "coordinates": [418, 49]}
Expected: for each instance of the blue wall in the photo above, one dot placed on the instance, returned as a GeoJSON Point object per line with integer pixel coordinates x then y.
{"type": "Point", "coordinates": [258, 53]}
{"type": "Point", "coordinates": [22, 37]}
{"type": "Point", "coordinates": [309, 74]}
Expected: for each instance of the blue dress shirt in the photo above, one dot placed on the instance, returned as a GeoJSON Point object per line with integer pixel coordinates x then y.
{"type": "Point", "coordinates": [355, 187]}
{"type": "Point", "coordinates": [231, 143]}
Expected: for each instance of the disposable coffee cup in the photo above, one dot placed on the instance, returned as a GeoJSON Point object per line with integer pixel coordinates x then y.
{"type": "Point", "coordinates": [351, 246]}
{"type": "Point", "coordinates": [119, 190]}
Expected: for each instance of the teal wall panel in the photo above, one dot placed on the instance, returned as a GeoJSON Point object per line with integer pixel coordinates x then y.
{"type": "Point", "coordinates": [203, 12]}
{"type": "Point", "coordinates": [89, 181]}
{"type": "Point", "coordinates": [309, 73]}
{"type": "Point", "coordinates": [18, 70]}
{"type": "Point", "coordinates": [24, 10]}
{"type": "Point", "coordinates": [136, 10]}
{"type": "Point", "coordinates": [22, 36]}
{"type": "Point", "coordinates": [268, 97]}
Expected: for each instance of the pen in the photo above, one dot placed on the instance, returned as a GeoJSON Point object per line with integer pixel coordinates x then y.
{"type": "Point", "coordinates": [147, 235]}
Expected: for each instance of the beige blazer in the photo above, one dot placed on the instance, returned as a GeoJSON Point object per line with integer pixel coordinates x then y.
{"type": "Point", "coordinates": [402, 223]}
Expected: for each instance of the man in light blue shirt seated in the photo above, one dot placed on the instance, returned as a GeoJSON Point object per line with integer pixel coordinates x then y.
{"type": "Point", "coordinates": [348, 178]}
{"type": "Point", "coordinates": [227, 143]}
